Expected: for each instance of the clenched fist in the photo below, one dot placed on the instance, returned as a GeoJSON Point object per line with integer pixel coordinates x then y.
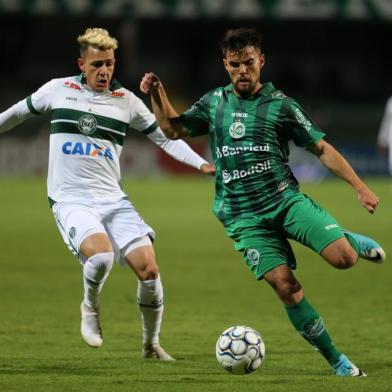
{"type": "Point", "coordinates": [149, 81]}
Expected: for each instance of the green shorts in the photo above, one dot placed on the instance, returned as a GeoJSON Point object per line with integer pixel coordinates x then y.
{"type": "Point", "coordinates": [263, 238]}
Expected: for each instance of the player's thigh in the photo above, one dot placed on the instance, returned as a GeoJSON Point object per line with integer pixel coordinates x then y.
{"type": "Point", "coordinates": [95, 243]}
{"type": "Point", "coordinates": [125, 227]}
{"type": "Point", "coordinates": [77, 223]}
{"type": "Point", "coordinates": [263, 247]}
{"type": "Point", "coordinates": [140, 256]}
{"type": "Point", "coordinates": [311, 225]}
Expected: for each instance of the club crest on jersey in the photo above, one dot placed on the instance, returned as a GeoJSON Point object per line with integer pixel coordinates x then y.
{"type": "Point", "coordinates": [253, 256]}
{"type": "Point", "coordinates": [237, 130]}
{"type": "Point", "coordinates": [72, 232]}
{"type": "Point", "coordinates": [87, 124]}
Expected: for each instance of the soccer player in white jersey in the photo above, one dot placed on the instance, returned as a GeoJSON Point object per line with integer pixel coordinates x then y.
{"type": "Point", "coordinates": [90, 115]}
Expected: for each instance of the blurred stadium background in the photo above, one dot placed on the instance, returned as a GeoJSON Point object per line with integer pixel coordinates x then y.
{"type": "Point", "coordinates": [333, 56]}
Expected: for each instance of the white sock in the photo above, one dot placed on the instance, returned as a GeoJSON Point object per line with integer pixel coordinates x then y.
{"type": "Point", "coordinates": [150, 300]}
{"type": "Point", "coordinates": [95, 272]}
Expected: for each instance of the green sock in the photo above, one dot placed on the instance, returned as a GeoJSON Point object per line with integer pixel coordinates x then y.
{"type": "Point", "coordinates": [353, 242]}
{"type": "Point", "coordinates": [310, 325]}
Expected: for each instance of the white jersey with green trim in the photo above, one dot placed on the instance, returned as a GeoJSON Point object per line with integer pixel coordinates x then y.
{"type": "Point", "coordinates": [86, 137]}
{"type": "Point", "coordinates": [87, 134]}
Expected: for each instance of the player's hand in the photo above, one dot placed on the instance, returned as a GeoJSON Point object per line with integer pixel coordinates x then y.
{"type": "Point", "coordinates": [368, 199]}
{"type": "Point", "coordinates": [208, 168]}
{"type": "Point", "coordinates": [149, 81]}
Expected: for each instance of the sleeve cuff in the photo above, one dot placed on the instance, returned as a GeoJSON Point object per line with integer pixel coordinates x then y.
{"type": "Point", "coordinates": [30, 106]}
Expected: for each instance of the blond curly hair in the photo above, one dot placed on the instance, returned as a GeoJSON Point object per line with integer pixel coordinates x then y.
{"type": "Point", "coordinates": [97, 38]}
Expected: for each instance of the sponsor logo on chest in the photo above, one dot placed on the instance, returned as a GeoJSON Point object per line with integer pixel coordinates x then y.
{"type": "Point", "coordinates": [89, 149]}
{"type": "Point", "coordinates": [226, 151]}
{"type": "Point", "coordinates": [72, 85]}
{"type": "Point", "coordinates": [117, 94]}
{"type": "Point", "coordinates": [229, 176]}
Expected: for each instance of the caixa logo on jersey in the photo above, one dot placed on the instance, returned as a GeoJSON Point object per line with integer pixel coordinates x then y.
{"type": "Point", "coordinates": [90, 149]}
{"type": "Point", "coordinates": [87, 124]}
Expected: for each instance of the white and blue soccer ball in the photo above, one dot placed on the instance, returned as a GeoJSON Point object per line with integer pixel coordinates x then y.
{"type": "Point", "coordinates": [240, 350]}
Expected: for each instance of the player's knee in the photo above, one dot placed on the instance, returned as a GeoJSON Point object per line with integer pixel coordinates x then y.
{"type": "Point", "coordinates": [346, 259]}
{"type": "Point", "coordinates": [340, 254]}
{"type": "Point", "coordinates": [150, 272]}
{"type": "Point", "coordinates": [98, 266]}
{"type": "Point", "coordinates": [288, 291]}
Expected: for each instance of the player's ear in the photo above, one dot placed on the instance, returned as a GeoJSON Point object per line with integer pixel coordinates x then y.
{"type": "Point", "coordinates": [81, 64]}
{"type": "Point", "coordinates": [262, 60]}
{"type": "Point", "coordinates": [225, 63]}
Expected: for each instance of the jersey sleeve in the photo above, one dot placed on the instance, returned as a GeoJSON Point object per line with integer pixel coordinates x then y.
{"type": "Point", "coordinates": [195, 119]}
{"type": "Point", "coordinates": [15, 115]}
{"type": "Point", "coordinates": [177, 149]}
{"type": "Point", "coordinates": [142, 120]}
{"type": "Point", "coordinates": [298, 126]}
{"type": "Point", "coordinates": [40, 101]}
{"type": "Point", "coordinates": [386, 126]}
{"type": "Point", "coordinates": [37, 103]}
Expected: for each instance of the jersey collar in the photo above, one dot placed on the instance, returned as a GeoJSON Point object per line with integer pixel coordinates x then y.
{"type": "Point", "coordinates": [265, 90]}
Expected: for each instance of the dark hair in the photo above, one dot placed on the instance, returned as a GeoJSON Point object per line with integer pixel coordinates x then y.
{"type": "Point", "coordinates": [237, 39]}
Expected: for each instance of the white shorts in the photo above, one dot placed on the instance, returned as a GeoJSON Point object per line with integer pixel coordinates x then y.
{"type": "Point", "coordinates": [120, 221]}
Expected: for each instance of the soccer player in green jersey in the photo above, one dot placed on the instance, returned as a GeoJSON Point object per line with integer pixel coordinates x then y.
{"type": "Point", "coordinates": [257, 196]}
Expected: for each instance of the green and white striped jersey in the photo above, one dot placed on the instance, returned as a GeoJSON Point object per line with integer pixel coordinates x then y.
{"type": "Point", "coordinates": [87, 131]}
{"type": "Point", "coordinates": [87, 134]}
{"type": "Point", "coordinates": [249, 144]}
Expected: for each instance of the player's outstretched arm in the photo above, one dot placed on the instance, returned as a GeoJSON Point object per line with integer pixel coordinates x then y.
{"type": "Point", "coordinates": [182, 152]}
{"type": "Point", "coordinates": [15, 115]}
{"type": "Point", "coordinates": [338, 165]}
{"type": "Point", "coordinates": [168, 119]}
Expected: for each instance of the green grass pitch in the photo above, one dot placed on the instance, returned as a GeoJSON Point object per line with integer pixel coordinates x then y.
{"type": "Point", "coordinates": [207, 289]}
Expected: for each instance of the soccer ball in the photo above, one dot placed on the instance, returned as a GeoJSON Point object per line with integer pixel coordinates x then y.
{"type": "Point", "coordinates": [240, 350]}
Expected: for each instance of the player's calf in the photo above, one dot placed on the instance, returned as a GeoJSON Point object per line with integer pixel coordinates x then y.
{"type": "Point", "coordinates": [150, 301]}
{"type": "Point", "coordinates": [282, 280]}
{"type": "Point", "coordinates": [95, 272]}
